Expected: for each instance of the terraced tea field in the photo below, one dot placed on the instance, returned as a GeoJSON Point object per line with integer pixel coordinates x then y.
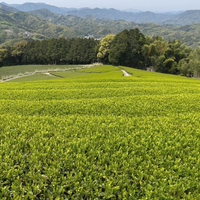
{"type": "Point", "coordinates": [101, 136]}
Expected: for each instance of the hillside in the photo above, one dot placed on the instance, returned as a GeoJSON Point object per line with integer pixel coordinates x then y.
{"type": "Point", "coordinates": [88, 25]}
{"type": "Point", "coordinates": [101, 136]}
{"type": "Point", "coordinates": [16, 26]}
{"type": "Point", "coordinates": [101, 27]}
{"type": "Point", "coordinates": [8, 8]}
{"type": "Point", "coordinates": [185, 18]}
{"type": "Point", "coordinates": [41, 24]}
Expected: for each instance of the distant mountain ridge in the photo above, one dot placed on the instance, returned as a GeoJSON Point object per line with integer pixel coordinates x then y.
{"type": "Point", "coordinates": [8, 8]}
{"type": "Point", "coordinates": [174, 18]}
{"type": "Point", "coordinates": [113, 14]}
{"type": "Point", "coordinates": [36, 6]}
{"type": "Point", "coordinates": [186, 18]}
{"type": "Point", "coordinates": [177, 18]}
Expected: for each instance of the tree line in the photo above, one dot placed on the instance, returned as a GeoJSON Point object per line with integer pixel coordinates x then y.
{"type": "Point", "coordinates": [51, 51]}
{"type": "Point", "coordinates": [134, 49]}
{"type": "Point", "coordinates": [129, 48]}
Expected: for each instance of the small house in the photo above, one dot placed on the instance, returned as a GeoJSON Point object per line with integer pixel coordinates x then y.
{"type": "Point", "coordinates": [149, 69]}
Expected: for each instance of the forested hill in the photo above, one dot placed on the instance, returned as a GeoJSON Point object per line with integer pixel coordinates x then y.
{"type": "Point", "coordinates": [88, 25]}
{"type": "Point", "coordinates": [8, 8]}
{"type": "Point", "coordinates": [17, 26]}
{"type": "Point", "coordinates": [44, 24]}
{"type": "Point", "coordinates": [185, 18]}
{"type": "Point", "coordinates": [101, 27]}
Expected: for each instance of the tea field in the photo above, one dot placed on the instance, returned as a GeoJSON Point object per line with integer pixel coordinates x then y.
{"type": "Point", "coordinates": [23, 69]}
{"type": "Point", "coordinates": [101, 136]}
{"type": "Point", "coordinates": [23, 73]}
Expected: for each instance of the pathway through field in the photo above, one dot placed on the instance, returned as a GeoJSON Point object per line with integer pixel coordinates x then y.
{"type": "Point", "coordinates": [48, 74]}
{"type": "Point", "coordinates": [125, 73]}
{"type": "Point", "coordinates": [2, 81]}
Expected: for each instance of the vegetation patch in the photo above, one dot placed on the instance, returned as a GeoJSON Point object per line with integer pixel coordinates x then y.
{"type": "Point", "coordinates": [101, 136]}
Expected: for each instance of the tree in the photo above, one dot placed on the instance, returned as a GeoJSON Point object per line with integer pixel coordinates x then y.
{"type": "Point", "coordinates": [194, 63]}
{"type": "Point", "coordinates": [104, 49]}
{"type": "Point", "coordinates": [18, 51]}
{"type": "Point", "coordinates": [154, 53]}
{"type": "Point", "coordinates": [170, 66]}
{"type": "Point", "coordinates": [53, 51]}
{"type": "Point", "coordinates": [118, 49]}
{"type": "Point", "coordinates": [184, 68]}
{"type": "Point", "coordinates": [157, 63]}
{"type": "Point", "coordinates": [3, 56]}
{"type": "Point", "coordinates": [126, 49]}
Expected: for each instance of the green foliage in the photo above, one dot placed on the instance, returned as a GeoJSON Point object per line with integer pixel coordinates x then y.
{"type": "Point", "coordinates": [126, 48]}
{"type": "Point", "coordinates": [154, 51]}
{"type": "Point", "coordinates": [184, 68]}
{"type": "Point", "coordinates": [108, 137]}
{"type": "Point", "coordinates": [129, 48]}
{"type": "Point", "coordinates": [53, 51]}
{"type": "Point", "coordinates": [194, 62]}
{"type": "Point", "coordinates": [3, 55]}
{"type": "Point", "coordinates": [104, 48]}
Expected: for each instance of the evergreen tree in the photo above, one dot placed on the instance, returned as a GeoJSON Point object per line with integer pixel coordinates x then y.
{"type": "Point", "coordinates": [126, 49]}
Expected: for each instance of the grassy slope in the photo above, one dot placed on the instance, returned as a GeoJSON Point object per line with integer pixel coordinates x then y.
{"type": "Point", "coordinates": [101, 135]}
{"type": "Point", "coordinates": [153, 75]}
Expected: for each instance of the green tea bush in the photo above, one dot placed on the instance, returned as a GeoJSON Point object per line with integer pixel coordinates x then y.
{"type": "Point", "coordinates": [101, 138]}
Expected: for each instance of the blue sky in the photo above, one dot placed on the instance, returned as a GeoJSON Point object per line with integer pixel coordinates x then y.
{"type": "Point", "coordinates": [143, 5]}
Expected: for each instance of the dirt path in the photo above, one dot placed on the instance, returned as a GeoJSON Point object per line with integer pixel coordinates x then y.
{"type": "Point", "coordinates": [125, 73]}
{"type": "Point", "coordinates": [48, 74]}
{"type": "Point", "coordinates": [1, 81]}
